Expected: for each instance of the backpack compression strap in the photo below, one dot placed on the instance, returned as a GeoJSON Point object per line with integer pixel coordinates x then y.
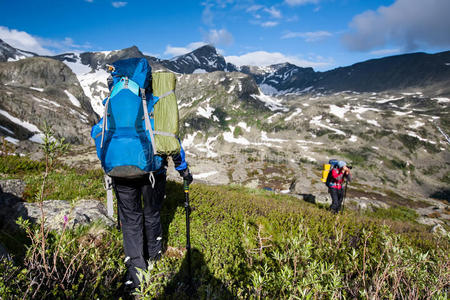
{"type": "Point", "coordinates": [105, 122]}
{"type": "Point", "coordinates": [148, 126]}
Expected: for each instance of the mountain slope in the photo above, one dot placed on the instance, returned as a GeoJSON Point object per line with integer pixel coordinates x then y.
{"type": "Point", "coordinates": [270, 127]}
{"type": "Point", "coordinates": [38, 89]}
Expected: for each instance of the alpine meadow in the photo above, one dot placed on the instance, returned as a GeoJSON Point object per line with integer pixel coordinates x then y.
{"type": "Point", "coordinates": [221, 170]}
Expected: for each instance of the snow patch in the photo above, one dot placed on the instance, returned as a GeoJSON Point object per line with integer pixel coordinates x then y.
{"type": "Point", "coordinates": [73, 99]}
{"type": "Point", "coordinates": [12, 140]}
{"type": "Point", "coordinates": [44, 100]}
{"type": "Point", "coordinates": [272, 103]}
{"type": "Point", "coordinates": [205, 112]}
{"type": "Point", "coordinates": [417, 124]}
{"type": "Point", "coordinates": [373, 122]}
{"type": "Point", "coordinates": [269, 119]}
{"type": "Point", "coordinates": [265, 138]}
{"type": "Point", "coordinates": [37, 138]}
{"type": "Point", "coordinates": [338, 111]}
{"type": "Point", "coordinates": [400, 113]}
{"type": "Point", "coordinates": [229, 137]}
{"type": "Point", "coordinates": [244, 126]}
{"type": "Point", "coordinates": [388, 100]}
{"type": "Point", "coordinates": [231, 89]}
{"type": "Point", "coordinates": [36, 89]}
{"type": "Point", "coordinates": [413, 134]}
{"type": "Point", "coordinates": [25, 124]}
{"type": "Point", "coordinates": [77, 67]}
{"type": "Point", "coordinates": [205, 175]}
{"type": "Point", "coordinates": [442, 99]}
{"type": "Point", "coordinates": [295, 113]}
{"type": "Point", "coordinates": [188, 140]}
{"type": "Point", "coordinates": [199, 71]}
{"type": "Point", "coordinates": [353, 139]}
{"type": "Point", "coordinates": [316, 121]}
{"type": "Point", "coordinates": [268, 89]}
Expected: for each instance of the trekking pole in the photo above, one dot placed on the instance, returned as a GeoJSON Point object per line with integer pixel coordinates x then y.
{"type": "Point", "coordinates": [345, 194]}
{"type": "Point", "coordinates": [188, 238]}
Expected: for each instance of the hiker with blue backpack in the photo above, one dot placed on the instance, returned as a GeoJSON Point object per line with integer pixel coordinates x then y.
{"type": "Point", "coordinates": [337, 175]}
{"type": "Point", "coordinates": [134, 140]}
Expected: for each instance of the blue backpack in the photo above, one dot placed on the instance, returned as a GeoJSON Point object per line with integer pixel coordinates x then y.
{"type": "Point", "coordinates": [333, 165]}
{"type": "Point", "coordinates": [124, 137]}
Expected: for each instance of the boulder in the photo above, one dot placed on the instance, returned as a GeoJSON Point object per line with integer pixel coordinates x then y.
{"type": "Point", "coordinates": [15, 187]}
{"type": "Point", "coordinates": [60, 213]}
{"type": "Point", "coordinates": [11, 192]}
{"type": "Point", "coordinates": [439, 229]}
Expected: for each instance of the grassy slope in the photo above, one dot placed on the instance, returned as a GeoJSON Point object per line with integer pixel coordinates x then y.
{"type": "Point", "coordinates": [256, 244]}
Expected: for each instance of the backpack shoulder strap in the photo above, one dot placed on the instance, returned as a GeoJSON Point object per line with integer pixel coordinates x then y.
{"type": "Point", "coordinates": [148, 125]}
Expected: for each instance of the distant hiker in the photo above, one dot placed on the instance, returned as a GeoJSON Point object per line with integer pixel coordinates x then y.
{"type": "Point", "coordinates": [134, 139]}
{"type": "Point", "coordinates": [335, 185]}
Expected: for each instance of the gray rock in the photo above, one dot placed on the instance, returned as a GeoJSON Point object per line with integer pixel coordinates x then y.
{"type": "Point", "coordinates": [429, 221]}
{"type": "Point", "coordinates": [15, 187]}
{"type": "Point", "coordinates": [11, 192]}
{"type": "Point", "coordinates": [439, 229]}
{"type": "Point", "coordinates": [60, 213]}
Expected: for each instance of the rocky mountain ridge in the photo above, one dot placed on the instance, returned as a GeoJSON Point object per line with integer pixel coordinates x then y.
{"type": "Point", "coordinates": [8, 53]}
{"type": "Point", "coordinates": [38, 89]}
{"type": "Point", "coordinates": [273, 127]}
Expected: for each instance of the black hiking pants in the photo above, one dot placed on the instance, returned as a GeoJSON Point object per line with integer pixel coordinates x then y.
{"type": "Point", "coordinates": [139, 206]}
{"type": "Point", "coordinates": [337, 195]}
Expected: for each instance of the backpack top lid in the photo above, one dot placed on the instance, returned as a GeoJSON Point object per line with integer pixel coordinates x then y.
{"type": "Point", "coordinates": [136, 69]}
{"type": "Point", "coordinates": [333, 163]}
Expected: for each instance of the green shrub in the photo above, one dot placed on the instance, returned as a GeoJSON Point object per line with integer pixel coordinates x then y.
{"type": "Point", "coordinates": [394, 213]}
{"type": "Point", "coordinates": [237, 131]}
{"type": "Point", "coordinates": [13, 164]}
{"type": "Point", "coordinates": [82, 263]}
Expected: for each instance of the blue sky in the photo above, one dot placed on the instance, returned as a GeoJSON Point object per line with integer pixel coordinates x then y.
{"type": "Point", "coordinates": [323, 34]}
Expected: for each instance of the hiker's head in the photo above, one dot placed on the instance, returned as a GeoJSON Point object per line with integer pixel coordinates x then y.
{"type": "Point", "coordinates": [341, 164]}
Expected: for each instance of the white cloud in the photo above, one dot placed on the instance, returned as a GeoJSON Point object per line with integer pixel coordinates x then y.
{"type": "Point", "coordinates": [118, 4]}
{"type": "Point", "coordinates": [300, 2]}
{"type": "Point", "coordinates": [22, 40]}
{"type": "Point", "coordinates": [208, 15]}
{"type": "Point", "coordinates": [263, 58]}
{"type": "Point", "coordinates": [42, 46]}
{"type": "Point", "coordinates": [269, 24]}
{"type": "Point", "coordinates": [176, 51]}
{"type": "Point", "coordinates": [254, 8]}
{"type": "Point", "coordinates": [66, 45]}
{"type": "Point", "coordinates": [308, 36]}
{"type": "Point", "coordinates": [219, 37]}
{"type": "Point", "coordinates": [385, 51]}
{"type": "Point", "coordinates": [273, 12]}
{"type": "Point", "coordinates": [407, 23]}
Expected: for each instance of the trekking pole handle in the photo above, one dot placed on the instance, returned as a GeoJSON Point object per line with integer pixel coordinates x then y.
{"type": "Point", "coordinates": [186, 186]}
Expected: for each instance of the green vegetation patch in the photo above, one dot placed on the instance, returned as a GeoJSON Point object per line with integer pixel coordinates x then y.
{"type": "Point", "coordinates": [246, 244]}
{"type": "Point", "coordinates": [394, 213]}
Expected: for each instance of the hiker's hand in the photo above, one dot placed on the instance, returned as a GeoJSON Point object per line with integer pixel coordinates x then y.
{"type": "Point", "coordinates": [187, 176]}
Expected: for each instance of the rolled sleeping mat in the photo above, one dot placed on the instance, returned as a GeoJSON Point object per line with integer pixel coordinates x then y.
{"type": "Point", "coordinates": [166, 113]}
{"type": "Point", "coordinates": [325, 171]}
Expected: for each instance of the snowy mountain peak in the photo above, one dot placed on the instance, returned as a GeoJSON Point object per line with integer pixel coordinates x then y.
{"type": "Point", "coordinates": [8, 53]}
{"type": "Point", "coordinates": [202, 60]}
